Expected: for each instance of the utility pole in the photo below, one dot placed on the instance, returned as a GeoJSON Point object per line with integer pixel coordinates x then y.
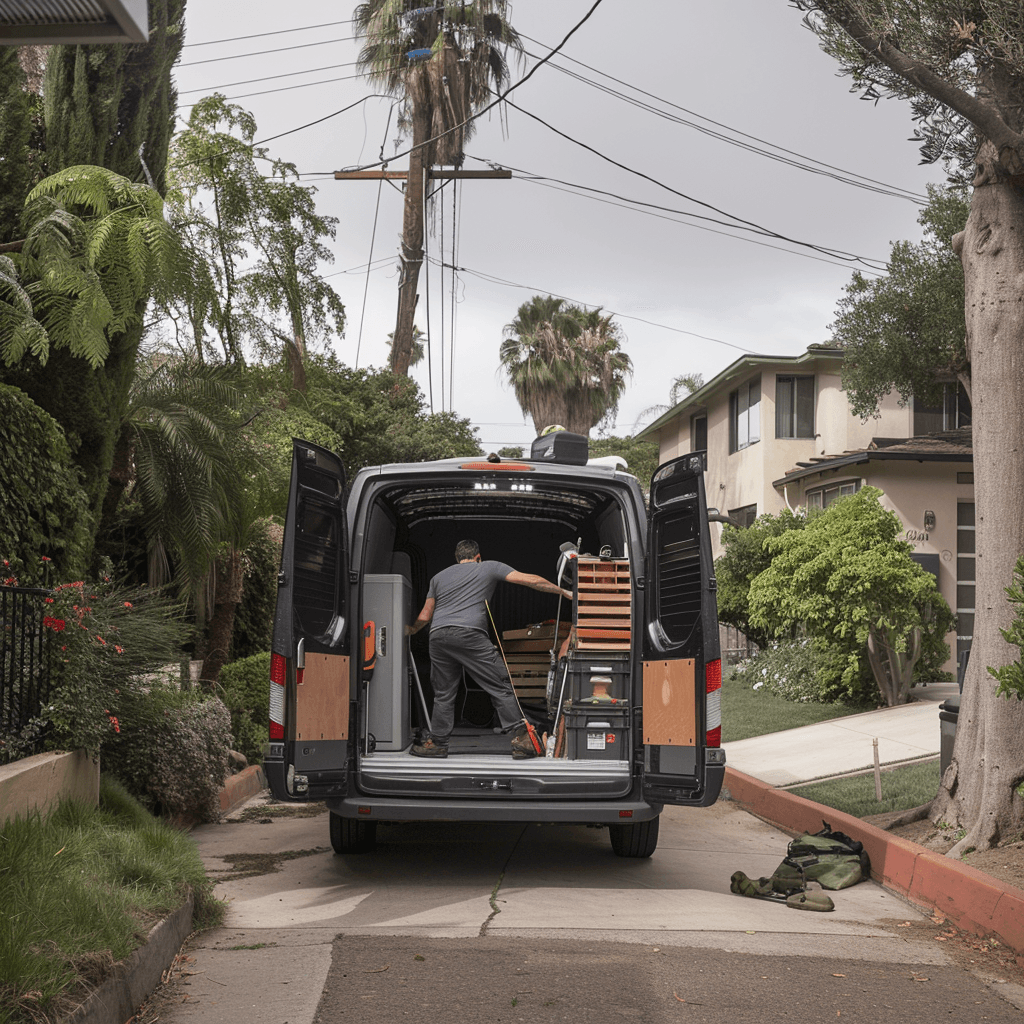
{"type": "Point", "coordinates": [412, 241]}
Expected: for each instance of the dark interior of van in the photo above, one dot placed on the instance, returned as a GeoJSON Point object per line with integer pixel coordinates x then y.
{"type": "Point", "coordinates": [413, 531]}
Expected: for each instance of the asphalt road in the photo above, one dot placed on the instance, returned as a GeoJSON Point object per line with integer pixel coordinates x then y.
{"type": "Point", "coordinates": [468, 923]}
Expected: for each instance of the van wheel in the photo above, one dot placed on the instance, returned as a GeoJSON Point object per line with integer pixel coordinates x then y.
{"type": "Point", "coordinates": [639, 840]}
{"type": "Point", "coordinates": [352, 835]}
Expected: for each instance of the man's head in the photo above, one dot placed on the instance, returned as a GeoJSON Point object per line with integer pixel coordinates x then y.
{"type": "Point", "coordinates": [466, 551]}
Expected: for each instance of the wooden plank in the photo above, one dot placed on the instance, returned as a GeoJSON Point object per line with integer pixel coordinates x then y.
{"type": "Point", "coordinates": [526, 646]}
{"type": "Point", "coordinates": [321, 703]}
{"type": "Point", "coordinates": [596, 597]}
{"type": "Point", "coordinates": [670, 710]}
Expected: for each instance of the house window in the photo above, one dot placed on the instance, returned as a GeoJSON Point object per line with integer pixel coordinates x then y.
{"type": "Point", "coordinates": [794, 406]}
{"type": "Point", "coordinates": [744, 516]}
{"type": "Point", "coordinates": [699, 433]}
{"type": "Point", "coordinates": [822, 497]}
{"type": "Point", "coordinates": [950, 412]}
{"type": "Point", "coordinates": [745, 415]}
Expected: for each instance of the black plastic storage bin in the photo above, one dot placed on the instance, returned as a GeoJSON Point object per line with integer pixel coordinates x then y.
{"type": "Point", "coordinates": [597, 733]}
{"type": "Point", "coordinates": [588, 667]}
{"type": "Point", "coordinates": [561, 446]}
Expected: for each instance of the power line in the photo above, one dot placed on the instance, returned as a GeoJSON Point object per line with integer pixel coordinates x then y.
{"type": "Point", "coordinates": [261, 53]}
{"type": "Point", "coordinates": [283, 88]}
{"type": "Point", "coordinates": [631, 204]}
{"type": "Point", "coordinates": [268, 78]}
{"type": "Point", "coordinates": [277, 32]}
{"type": "Point", "coordinates": [741, 223]}
{"type": "Point", "coordinates": [494, 279]}
{"type": "Point", "coordinates": [842, 174]}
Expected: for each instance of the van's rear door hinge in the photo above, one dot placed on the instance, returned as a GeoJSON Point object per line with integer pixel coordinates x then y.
{"type": "Point", "coordinates": [353, 577]}
{"type": "Point", "coordinates": [641, 582]}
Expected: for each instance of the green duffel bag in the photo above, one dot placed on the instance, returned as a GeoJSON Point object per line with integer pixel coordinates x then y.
{"type": "Point", "coordinates": [832, 859]}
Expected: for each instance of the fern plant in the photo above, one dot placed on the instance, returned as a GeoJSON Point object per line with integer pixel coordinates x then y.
{"type": "Point", "coordinates": [95, 245]}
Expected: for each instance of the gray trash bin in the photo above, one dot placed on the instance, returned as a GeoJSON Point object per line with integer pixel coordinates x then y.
{"type": "Point", "coordinates": [949, 712]}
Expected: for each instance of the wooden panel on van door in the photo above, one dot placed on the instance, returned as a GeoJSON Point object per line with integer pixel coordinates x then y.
{"type": "Point", "coordinates": [670, 708]}
{"type": "Point", "coordinates": [321, 703]}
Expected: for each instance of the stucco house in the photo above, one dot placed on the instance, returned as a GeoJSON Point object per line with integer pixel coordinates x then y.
{"type": "Point", "coordinates": [779, 432]}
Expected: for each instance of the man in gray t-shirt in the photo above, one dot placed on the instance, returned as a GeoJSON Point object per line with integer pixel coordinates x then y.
{"type": "Point", "coordinates": [456, 608]}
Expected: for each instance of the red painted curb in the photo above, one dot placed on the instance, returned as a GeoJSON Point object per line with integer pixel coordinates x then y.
{"type": "Point", "coordinates": [972, 900]}
{"type": "Point", "coordinates": [241, 787]}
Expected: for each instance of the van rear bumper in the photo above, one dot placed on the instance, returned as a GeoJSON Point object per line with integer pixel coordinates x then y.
{"type": "Point", "coordinates": [581, 812]}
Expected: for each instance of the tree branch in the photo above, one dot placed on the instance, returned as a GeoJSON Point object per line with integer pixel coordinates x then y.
{"type": "Point", "coordinates": [1008, 143]}
{"type": "Point", "coordinates": [12, 246]}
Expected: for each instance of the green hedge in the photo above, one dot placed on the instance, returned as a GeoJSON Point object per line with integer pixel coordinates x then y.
{"type": "Point", "coordinates": [245, 689]}
{"type": "Point", "coordinates": [44, 511]}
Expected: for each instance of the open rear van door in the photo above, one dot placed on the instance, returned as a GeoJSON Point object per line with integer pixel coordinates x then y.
{"type": "Point", "coordinates": [682, 669]}
{"type": "Point", "coordinates": [309, 668]}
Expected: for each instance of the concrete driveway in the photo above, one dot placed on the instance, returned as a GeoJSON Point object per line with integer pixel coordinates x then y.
{"type": "Point", "coordinates": [290, 932]}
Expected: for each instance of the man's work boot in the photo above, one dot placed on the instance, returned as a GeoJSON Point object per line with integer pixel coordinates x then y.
{"type": "Point", "coordinates": [522, 745]}
{"type": "Point", "coordinates": [428, 748]}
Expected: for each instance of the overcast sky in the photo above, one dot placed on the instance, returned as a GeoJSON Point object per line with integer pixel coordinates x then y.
{"type": "Point", "coordinates": [688, 300]}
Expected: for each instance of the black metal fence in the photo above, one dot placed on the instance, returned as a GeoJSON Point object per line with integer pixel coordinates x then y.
{"type": "Point", "coordinates": [27, 659]}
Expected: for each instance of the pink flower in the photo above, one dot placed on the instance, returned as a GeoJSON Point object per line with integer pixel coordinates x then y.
{"type": "Point", "coordinates": [101, 640]}
{"type": "Point", "coordinates": [43, 558]}
{"type": "Point", "coordinates": [127, 604]}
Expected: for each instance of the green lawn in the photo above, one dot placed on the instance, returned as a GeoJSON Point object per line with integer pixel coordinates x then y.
{"type": "Point", "coordinates": [902, 788]}
{"type": "Point", "coordinates": [747, 712]}
{"type": "Point", "coordinates": [80, 889]}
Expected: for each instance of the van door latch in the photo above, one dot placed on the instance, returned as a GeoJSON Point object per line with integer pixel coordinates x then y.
{"type": "Point", "coordinates": [496, 784]}
{"type": "Point", "coordinates": [641, 582]}
{"type": "Point", "coordinates": [281, 579]}
{"type": "Point", "coordinates": [353, 577]}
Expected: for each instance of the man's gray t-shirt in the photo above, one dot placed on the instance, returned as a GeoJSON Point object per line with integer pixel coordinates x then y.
{"type": "Point", "coordinates": [460, 591]}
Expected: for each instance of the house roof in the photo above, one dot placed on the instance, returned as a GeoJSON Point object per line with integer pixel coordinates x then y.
{"type": "Point", "coordinates": [944, 446]}
{"type": "Point", "coordinates": [24, 22]}
{"type": "Point", "coordinates": [739, 368]}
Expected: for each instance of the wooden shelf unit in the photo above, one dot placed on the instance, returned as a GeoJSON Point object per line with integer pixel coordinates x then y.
{"type": "Point", "coordinates": [603, 608]}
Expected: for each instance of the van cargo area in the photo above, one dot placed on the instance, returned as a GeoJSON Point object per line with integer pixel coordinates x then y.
{"type": "Point", "coordinates": [621, 683]}
{"type": "Point", "coordinates": [411, 534]}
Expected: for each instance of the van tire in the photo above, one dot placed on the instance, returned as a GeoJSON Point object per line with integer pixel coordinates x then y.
{"type": "Point", "coordinates": [352, 835]}
{"type": "Point", "coordinates": [638, 840]}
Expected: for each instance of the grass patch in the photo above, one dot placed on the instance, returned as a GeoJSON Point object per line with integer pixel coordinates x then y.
{"type": "Point", "coordinates": [80, 890]}
{"type": "Point", "coordinates": [902, 788]}
{"type": "Point", "coordinates": [748, 712]}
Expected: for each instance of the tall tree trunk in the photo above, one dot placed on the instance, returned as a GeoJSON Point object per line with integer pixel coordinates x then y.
{"type": "Point", "coordinates": [412, 222]}
{"type": "Point", "coordinates": [979, 787]}
{"type": "Point", "coordinates": [225, 603]}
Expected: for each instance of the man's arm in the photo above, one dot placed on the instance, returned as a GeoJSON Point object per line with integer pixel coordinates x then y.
{"type": "Point", "coordinates": [528, 579]}
{"type": "Point", "coordinates": [425, 615]}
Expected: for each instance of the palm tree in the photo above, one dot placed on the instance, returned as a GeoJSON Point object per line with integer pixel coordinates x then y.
{"type": "Point", "coordinates": [418, 348]}
{"type": "Point", "coordinates": [467, 43]}
{"type": "Point", "coordinates": [564, 363]}
{"type": "Point", "coordinates": [182, 454]}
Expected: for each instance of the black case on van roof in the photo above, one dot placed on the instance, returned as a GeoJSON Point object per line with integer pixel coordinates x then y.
{"type": "Point", "coordinates": [561, 446]}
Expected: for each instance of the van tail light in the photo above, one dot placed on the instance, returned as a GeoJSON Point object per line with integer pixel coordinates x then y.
{"type": "Point", "coordinates": [278, 675]}
{"type": "Point", "coordinates": [713, 702]}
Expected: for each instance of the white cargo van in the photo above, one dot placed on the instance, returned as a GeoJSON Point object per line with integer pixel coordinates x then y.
{"type": "Point", "coordinates": [634, 707]}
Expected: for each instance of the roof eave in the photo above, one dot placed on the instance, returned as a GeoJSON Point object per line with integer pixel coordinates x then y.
{"type": "Point", "coordinates": [126, 21]}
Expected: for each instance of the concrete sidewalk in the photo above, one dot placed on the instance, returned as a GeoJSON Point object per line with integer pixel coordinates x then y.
{"type": "Point", "coordinates": [844, 744]}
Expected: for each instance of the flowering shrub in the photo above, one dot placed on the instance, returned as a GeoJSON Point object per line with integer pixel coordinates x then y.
{"type": "Point", "coordinates": [105, 641]}
{"type": "Point", "coordinates": [789, 670]}
{"type": "Point", "coordinates": [171, 751]}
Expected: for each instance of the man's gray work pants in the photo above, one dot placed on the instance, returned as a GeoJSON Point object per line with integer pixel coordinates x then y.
{"type": "Point", "coordinates": [453, 648]}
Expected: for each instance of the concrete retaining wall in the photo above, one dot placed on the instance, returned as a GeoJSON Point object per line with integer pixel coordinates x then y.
{"type": "Point", "coordinates": [39, 782]}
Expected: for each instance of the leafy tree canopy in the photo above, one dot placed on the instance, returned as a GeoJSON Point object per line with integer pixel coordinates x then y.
{"type": "Point", "coordinates": [848, 581]}
{"type": "Point", "coordinates": [746, 556]}
{"type": "Point", "coordinates": [905, 330]}
{"type": "Point", "coordinates": [94, 246]}
{"type": "Point", "coordinates": [257, 244]}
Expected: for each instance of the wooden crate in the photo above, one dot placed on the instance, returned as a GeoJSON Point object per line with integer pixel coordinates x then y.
{"type": "Point", "coordinates": [604, 605]}
{"type": "Point", "coordinates": [529, 672]}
